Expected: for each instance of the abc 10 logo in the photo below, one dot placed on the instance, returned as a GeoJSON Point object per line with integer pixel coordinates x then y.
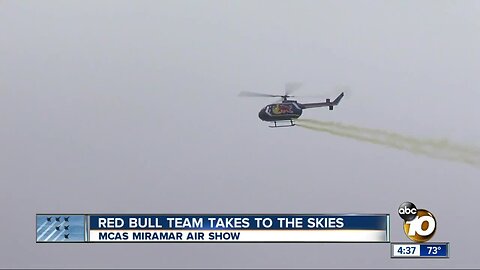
{"type": "Point", "coordinates": [418, 224]}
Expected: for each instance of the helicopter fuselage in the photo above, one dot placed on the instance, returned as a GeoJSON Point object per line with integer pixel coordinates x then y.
{"type": "Point", "coordinates": [284, 111]}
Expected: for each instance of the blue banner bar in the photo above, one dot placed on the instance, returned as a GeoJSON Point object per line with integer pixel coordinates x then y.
{"type": "Point", "coordinates": [239, 222]}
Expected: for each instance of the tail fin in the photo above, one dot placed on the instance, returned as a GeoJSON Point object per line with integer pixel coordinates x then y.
{"type": "Point", "coordinates": [337, 100]}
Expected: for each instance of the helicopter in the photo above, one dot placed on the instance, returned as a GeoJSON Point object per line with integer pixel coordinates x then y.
{"type": "Point", "coordinates": [287, 109]}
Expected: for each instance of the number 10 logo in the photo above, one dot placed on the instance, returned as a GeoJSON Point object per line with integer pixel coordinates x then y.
{"type": "Point", "coordinates": [419, 224]}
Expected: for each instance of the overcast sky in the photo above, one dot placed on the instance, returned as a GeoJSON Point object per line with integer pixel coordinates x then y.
{"type": "Point", "coordinates": [132, 107]}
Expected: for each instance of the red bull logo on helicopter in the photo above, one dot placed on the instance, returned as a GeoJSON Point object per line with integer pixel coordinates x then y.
{"type": "Point", "coordinates": [282, 109]}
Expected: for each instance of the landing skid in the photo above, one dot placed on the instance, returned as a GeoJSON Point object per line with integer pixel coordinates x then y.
{"type": "Point", "coordinates": [277, 126]}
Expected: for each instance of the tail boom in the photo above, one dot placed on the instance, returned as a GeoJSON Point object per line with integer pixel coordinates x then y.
{"type": "Point", "coordinates": [327, 103]}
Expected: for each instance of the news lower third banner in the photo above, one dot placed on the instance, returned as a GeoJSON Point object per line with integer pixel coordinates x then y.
{"type": "Point", "coordinates": [213, 228]}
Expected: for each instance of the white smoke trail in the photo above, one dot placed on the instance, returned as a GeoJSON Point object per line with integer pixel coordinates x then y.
{"type": "Point", "coordinates": [440, 149]}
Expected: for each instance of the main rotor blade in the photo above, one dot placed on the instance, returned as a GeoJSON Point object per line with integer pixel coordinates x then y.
{"type": "Point", "coordinates": [330, 93]}
{"type": "Point", "coordinates": [291, 87]}
{"type": "Point", "coordinates": [254, 94]}
{"type": "Point", "coordinates": [315, 96]}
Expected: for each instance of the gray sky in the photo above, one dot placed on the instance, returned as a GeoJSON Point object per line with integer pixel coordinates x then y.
{"type": "Point", "coordinates": [131, 106]}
